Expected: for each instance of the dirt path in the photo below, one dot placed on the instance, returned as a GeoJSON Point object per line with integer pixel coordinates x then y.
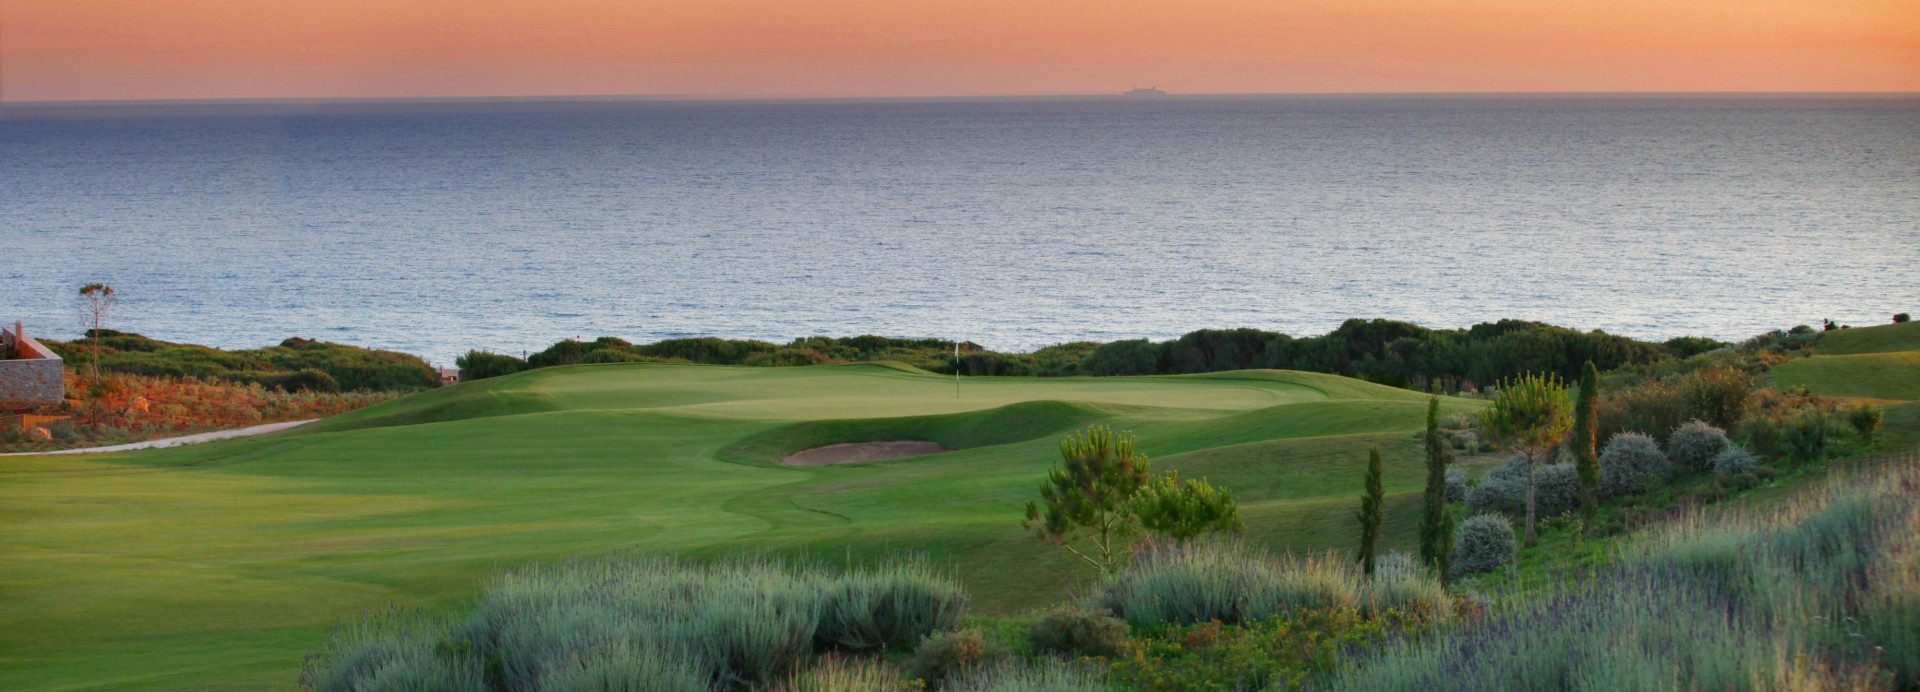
{"type": "Point", "coordinates": [174, 441]}
{"type": "Point", "coordinates": [856, 452]}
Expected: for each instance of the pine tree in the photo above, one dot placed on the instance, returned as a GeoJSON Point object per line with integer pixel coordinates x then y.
{"type": "Point", "coordinates": [1370, 512]}
{"type": "Point", "coordinates": [1436, 524]}
{"type": "Point", "coordinates": [1529, 417]}
{"type": "Point", "coordinates": [1586, 423]}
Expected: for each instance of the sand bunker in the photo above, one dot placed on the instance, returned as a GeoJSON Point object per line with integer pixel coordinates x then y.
{"type": "Point", "coordinates": [855, 452]}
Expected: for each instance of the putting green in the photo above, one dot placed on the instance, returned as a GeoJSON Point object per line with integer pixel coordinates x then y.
{"type": "Point", "coordinates": [220, 565]}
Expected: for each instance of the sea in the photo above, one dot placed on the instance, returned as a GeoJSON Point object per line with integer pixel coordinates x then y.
{"type": "Point", "coordinates": [435, 227]}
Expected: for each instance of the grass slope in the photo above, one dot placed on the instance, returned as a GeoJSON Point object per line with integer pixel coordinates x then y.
{"type": "Point", "coordinates": [1887, 377]}
{"type": "Point", "coordinates": [218, 566]}
{"type": "Point", "coordinates": [1884, 338]}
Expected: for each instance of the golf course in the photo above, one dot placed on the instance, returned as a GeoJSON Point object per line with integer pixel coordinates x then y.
{"type": "Point", "coordinates": [219, 565]}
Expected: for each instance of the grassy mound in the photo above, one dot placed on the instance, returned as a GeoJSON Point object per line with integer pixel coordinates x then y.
{"type": "Point", "coordinates": [998, 426]}
{"type": "Point", "coordinates": [1885, 338]}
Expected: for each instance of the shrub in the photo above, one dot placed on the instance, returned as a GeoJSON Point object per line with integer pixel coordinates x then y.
{"type": "Point", "coordinates": [1901, 318]}
{"type": "Point", "coordinates": [1456, 485]}
{"type": "Point", "coordinates": [1805, 435]}
{"type": "Point", "coordinates": [397, 651]}
{"type": "Point", "coordinates": [1695, 443]}
{"type": "Point", "coordinates": [831, 673]}
{"type": "Point", "coordinates": [1504, 489]}
{"type": "Point", "coordinates": [1044, 676]}
{"type": "Point", "coordinates": [1735, 459]}
{"type": "Point", "coordinates": [944, 655]}
{"type": "Point", "coordinates": [1078, 632]}
{"type": "Point", "coordinates": [1717, 395]}
{"type": "Point", "coordinates": [1865, 419]}
{"type": "Point", "coordinates": [1654, 408]}
{"type": "Point", "coordinates": [1632, 463]}
{"type": "Point", "coordinates": [1483, 543]}
{"type": "Point", "coordinates": [892, 607]}
{"type": "Point", "coordinates": [1233, 583]}
{"type": "Point", "coordinates": [661, 623]}
{"type": "Point", "coordinates": [476, 365]}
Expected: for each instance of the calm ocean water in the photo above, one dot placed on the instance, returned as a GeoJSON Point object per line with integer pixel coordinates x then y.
{"type": "Point", "coordinates": [436, 228]}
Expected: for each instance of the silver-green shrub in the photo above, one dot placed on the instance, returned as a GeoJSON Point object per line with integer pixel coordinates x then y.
{"type": "Point", "coordinates": [1632, 463]}
{"type": "Point", "coordinates": [1232, 582]}
{"type": "Point", "coordinates": [1040, 676]}
{"type": "Point", "coordinates": [670, 624]}
{"type": "Point", "coordinates": [1734, 459]}
{"type": "Point", "coordinates": [1694, 444]}
{"type": "Point", "coordinates": [1504, 489]}
{"type": "Point", "coordinates": [1482, 543]}
{"type": "Point", "coordinates": [395, 652]}
{"type": "Point", "coordinates": [1456, 484]}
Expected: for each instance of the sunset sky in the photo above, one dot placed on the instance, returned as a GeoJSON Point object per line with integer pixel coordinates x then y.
{"type": "Point", "coordinates": [190, 49]}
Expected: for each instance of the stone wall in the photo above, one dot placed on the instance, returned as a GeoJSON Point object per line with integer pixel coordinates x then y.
{"type": "Point", "coordinates": [33, 377]}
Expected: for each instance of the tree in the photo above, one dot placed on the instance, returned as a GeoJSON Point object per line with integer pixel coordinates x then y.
{"type": "Point", "coordinates": [1089, 499]}
{"type": "Point", "coordinates": [1436, 523]}
{"type": "Point", "coordinates": [1186, 509]}
{"type": "Point", "coordinates": [1586, 423]}
{"type": "Point", "coordinates": [1370, 512]}
{"type": "Point", "coordinates": [1529, 417]}
{"type": "Point", "coordinates": [96, 300]}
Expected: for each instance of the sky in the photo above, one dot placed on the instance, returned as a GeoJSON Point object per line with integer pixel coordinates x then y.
{"type": "Point", "coordinates": [56, 50]}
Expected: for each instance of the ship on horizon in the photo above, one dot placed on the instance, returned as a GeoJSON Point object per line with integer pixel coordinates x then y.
{"type": "Point", "coordinates": [1147, 92]}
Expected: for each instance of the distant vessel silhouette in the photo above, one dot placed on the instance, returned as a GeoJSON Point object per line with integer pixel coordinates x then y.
{"type": "Point", "coordinates": [1147, 92]}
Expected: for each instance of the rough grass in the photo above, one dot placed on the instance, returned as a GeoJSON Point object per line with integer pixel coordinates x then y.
{"type": "Point", "coordinates": [221, 565]}
{"type": "Point", "coordinates": [1820, 592]}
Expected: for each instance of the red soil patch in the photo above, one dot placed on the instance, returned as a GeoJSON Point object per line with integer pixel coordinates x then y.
{"type": "Point", "coordinates": [856, 452]}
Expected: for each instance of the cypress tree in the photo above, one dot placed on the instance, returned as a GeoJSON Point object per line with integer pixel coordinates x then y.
{"type": "Point", "coordinates": [1436, 524]}
{"type": "Point", "coordinates": [1586, 420]}
{"type": "Point", "coordinates": [1370, 512]}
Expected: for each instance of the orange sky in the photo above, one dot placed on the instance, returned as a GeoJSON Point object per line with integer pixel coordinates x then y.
{"type": "Point", "coordinates": [147, 49]}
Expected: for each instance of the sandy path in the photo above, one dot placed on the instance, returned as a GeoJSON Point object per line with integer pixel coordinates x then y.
{"type": "Point", "coordinates": [174, 441]}
{"type": "Point", "coordinates": [855, 452]}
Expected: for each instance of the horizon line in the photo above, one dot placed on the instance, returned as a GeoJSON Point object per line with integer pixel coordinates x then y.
{"type": "Point", "coordinates": [695, 98]}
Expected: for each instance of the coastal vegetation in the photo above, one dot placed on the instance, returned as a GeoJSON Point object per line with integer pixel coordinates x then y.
{"type": "Point", "coordinates": [1401, 354]}
{"type": "Point", "coordinates": [577, 523]}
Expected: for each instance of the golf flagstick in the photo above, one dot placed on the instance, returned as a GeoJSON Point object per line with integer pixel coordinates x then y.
{"type": "Point", "coordinates": [956, 369]}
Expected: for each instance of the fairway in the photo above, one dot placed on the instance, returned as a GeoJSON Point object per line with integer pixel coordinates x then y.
{"type": "Point", "coordinates": [220, 565]}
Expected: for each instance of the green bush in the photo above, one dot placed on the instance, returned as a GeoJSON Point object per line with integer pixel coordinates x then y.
{"type": "Point", "coordinates": [1865, 418]}
{"type": "Point", "coordinates": [1632, 463]}
{"type": "Point", "coordinates": [1805, 436]}
{"type": "Point", "coordinates": [944, 655]}
{"type": "Point", "coordinates": [1078, 632]}
{"type": "Point", "coordinates": [1483, 543]}
{"type": "Point", "coordinates": [479, 365]}
{"type": "Point", "coordinates": [1695, 443]}
{"type": "Point", "coordinates": [1717, 395]}
{"type": "Point", "coordinates": [1653, 409]}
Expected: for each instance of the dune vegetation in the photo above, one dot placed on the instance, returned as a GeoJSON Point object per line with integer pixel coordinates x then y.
{"type": "Point", "coordinates": [504, 534]}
